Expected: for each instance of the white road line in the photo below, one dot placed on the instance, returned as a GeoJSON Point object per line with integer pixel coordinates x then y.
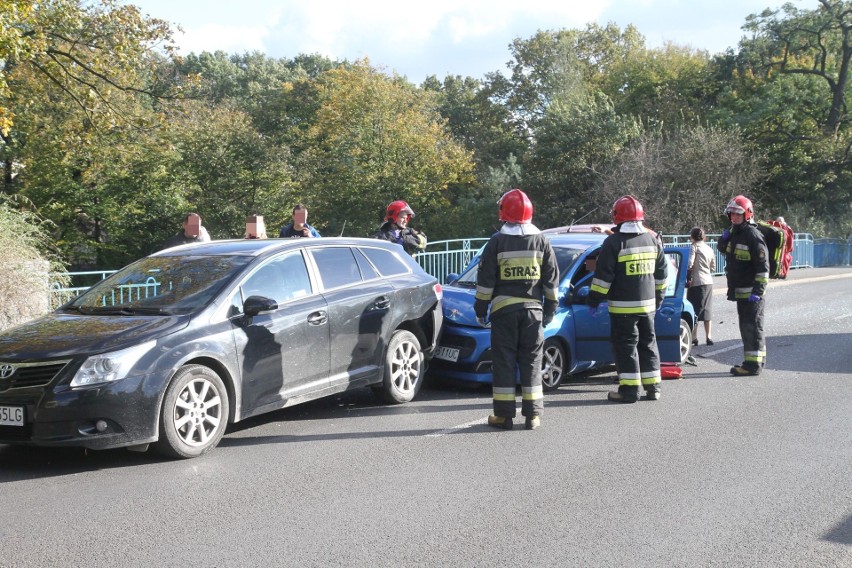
{"type": "Point", "coordinates": [464, 426]}
{"type": "Point", "coordinates": [722, 350]}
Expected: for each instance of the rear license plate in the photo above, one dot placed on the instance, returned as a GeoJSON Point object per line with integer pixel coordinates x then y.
{"type": "Point", "coordinates": [11, 415]}
{"type": "Point", "coordinates": [447, 353]}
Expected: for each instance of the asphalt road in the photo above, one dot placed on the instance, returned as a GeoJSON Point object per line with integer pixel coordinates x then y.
{"type": "Point", "coordinates": [723, 471]}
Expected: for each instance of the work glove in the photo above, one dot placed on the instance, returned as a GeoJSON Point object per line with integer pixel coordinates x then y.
{"type": "Point", "coordinates": [546, 319]}
{"type": "Point", "coordinates": [726, 234]}
{"type": "Point", "coordinates": [754, 298]}
{"type": "Point", "coordinates": [480, 308]}
{"type": "Point", "coordinates": [483, 322]}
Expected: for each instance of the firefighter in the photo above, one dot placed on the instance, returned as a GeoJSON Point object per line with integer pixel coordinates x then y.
{"type": "Point", "coordinates": [631, 276]}
{"type": "Point", "coordinates": [747, 271]}
{"type": "Point", "coordinates": [395, 228]}
{"type": "Point", "coordinates": [517, 277]}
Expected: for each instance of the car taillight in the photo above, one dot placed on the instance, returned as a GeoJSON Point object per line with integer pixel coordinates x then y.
{"type": "Point", "coordinates": [439, 292]}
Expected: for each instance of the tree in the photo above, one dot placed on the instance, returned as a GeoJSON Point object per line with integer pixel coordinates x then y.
{"type": "Point", "coordinates": [27, 257]}
{"type": "Point", "coordinates": [683, 177]}
{"type": "Point", "coordinates": [374, 140]}
{"type": "Point", "coordinates": [809, 42]}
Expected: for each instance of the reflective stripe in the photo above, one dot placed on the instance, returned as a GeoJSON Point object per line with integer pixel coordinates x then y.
{"type": "Point", "coordinates": [755, 356]}
{"type": "Point", "coordinates": [627, 376]}
{"type": "Point", "coordinates": [629, 382]}
{"type": "Point", "coordinates": [632, 307]}
{"type": "Point", "coordinates": [503, 394]}
{"type": "Point", "coordinates": [742, 293]}
{"type": "Point", "coordinates": [761, 277]}
{"type": "Point", "coordinates": [550, 294]}
{"type": "Point", "coordinates": [651, 378]}
{"type": "Point", "coordinates": [484, 290]}
{"type": "Point", "coordinates": [532, 393]}
{"type": "Point", "coordinates": [502, 301]}
{"type": "Point", "coordinates": [634, 253]}
{"type": "Point", "coordinates": [520, 254]}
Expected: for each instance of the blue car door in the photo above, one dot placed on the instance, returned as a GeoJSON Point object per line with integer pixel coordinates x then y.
{"type": "Point", "coordinates": [667, 322]}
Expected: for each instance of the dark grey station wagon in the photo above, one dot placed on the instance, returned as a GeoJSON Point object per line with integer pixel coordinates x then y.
{"type": "Point", "coordinates": [175, 346]}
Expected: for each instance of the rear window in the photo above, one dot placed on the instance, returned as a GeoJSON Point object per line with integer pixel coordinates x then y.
{"type": "Point", "coordinates": [387, 263]}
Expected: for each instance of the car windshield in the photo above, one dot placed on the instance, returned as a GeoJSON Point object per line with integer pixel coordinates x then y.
{"type": "Point", "coordinates": [565, 258]}
{"type": "Point", "coordinates": [160, 285]}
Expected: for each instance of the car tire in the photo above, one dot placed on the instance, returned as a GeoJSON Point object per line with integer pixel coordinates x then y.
{"type": "Point", "coordinates": [685, 340]}
{"type": "Point", "coordinates": [404, 368]}
{"type": "Point", "coordinates": [554, 365]}
{"type": "Point", "coordinates": [194, 413]}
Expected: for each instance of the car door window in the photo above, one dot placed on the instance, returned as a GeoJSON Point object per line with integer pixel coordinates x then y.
{"type": "Point", "coordinates": [337, 266]}
{"type": "Point", "coordinates": [367, 270]}
{"type": "Point", "coordinates": [283, 278]}
{"type": "Point", "coordinates": [672, 268]}
{"type": "Point", "coordinates": [387, 262]}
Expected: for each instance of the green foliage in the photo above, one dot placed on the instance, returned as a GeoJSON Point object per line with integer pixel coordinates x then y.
{"type": "Point", "coordinates": [27, 258]}
{"type": "Point", "coordinates": [376, 140]}
{"type": "Point", "coordinates": [683, 178]}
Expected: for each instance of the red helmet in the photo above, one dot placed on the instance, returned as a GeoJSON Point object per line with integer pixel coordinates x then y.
{"type": "Point", "coordinates": [397, 209]}
{"type": "Point", "coordinates": [627, 208]}
{"type": "Point", "coordinates": [742, 205]}
{"type": "Point", "coordinates": [515, 207]}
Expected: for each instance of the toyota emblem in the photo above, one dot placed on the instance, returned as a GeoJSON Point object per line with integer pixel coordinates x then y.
{"type": "Point", "coordinates": [6, 371]}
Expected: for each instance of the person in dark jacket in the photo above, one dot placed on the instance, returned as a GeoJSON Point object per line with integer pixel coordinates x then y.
{"type": "Point", "coordinates": [631, 275]}
{"type": "Point", "coordinates": [396, 230]}
{"type": "Point", "coordinates": [299, 227]}
{"type": "Point", "coordinates": [192, 231]}
{"type": "Point", "coordinates": [747, 271]}
{"type": "Point", "coordinates": [517, 277]}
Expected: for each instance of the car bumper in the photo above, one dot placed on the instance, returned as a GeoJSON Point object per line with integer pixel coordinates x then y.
{"type": "Point", "coordinates": [108, 416]}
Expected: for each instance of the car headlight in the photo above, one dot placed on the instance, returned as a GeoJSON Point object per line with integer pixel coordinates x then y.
{"type": "Point", "coordinates": [109, 367]}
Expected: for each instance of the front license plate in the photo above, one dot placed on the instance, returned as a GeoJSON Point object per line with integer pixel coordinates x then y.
{"type": "Point", "coordinates": [447, 353]}
{"type": "Point", "coordinates": [11, 415]}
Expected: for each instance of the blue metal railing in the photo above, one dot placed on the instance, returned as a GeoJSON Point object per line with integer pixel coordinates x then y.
{"type": "Point", "coordinates": [451, 256]}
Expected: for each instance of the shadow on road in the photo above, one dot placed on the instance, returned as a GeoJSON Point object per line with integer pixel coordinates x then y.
{"type": "Point", "coordinates": [842, 533]}
{"type": "Point", "coordinates": [721, 352]}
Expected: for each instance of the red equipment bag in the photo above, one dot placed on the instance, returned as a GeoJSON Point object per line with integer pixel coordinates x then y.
{"type": "Point", "coordinates": [670, 371]}
{"type": "Point", "coordinates": [779, 243]}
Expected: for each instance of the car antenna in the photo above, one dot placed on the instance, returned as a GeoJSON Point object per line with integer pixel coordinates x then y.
{"type": "Point", "coordinates": [343, 229]}
{"type": "Point", "coordinates": [574, 222]}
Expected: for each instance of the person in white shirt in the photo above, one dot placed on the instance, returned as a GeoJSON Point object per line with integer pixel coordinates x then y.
{"type": "Point", "coordinates": [702, 265]}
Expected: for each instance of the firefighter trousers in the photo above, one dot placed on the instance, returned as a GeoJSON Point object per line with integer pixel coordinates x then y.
{"type": "Point", "coordinates": [750, 316]}
{"type": "Point", "coordinates": [634, 347]}
{"type": "Point", "coordinates": [516, 350]}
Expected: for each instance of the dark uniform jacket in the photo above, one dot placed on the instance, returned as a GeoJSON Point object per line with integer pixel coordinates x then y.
{"type": "Point", "coordinates": [630, 274]}
{"type": "Point", "coordinates": [746, 261]}
{"type": "Point", "coordinates": [411, 240]}
{"type": "Point", "coordinates": [288, 232]}
{"type": "Point", "coordinates": [516, 272]}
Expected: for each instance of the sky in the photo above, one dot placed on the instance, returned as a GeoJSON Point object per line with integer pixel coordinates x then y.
{"type": "Point", "coordinates": [439, 37]}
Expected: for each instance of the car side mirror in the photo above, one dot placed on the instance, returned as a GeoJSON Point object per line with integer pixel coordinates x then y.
{"type": "Point", "coordinates": [257, 304]}
{"type": "Point", "coordinates": [582, 294]}
{"type": "Point", "coordinates": [451, 278]}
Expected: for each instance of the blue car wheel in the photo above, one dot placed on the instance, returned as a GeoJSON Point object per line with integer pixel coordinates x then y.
{"type": "Point", "coordinates": [554, 365]}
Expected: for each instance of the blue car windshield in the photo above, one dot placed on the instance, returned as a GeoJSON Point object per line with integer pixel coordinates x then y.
{"type": "Point", "coordinates": [161, 285]}
{"type": "Point", "coordinates": [565, 259]}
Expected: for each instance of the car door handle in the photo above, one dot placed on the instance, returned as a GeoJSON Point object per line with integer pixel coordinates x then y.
{"type": "Point", "coordinates": [667, 311]}
{"type": "Point", "coordinates": [382, 303]}
{"type": "Point", "coordinates": [318, 318]}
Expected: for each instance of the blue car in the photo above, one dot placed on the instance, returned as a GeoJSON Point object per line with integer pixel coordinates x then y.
{"type": "Point", "coordinates": [575, 341]}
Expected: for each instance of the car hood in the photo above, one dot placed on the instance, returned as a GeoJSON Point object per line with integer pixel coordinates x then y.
{"type": "Point", "coordinates": [66, 335]}
{"type": "Point", "coordinates": [458, 305]}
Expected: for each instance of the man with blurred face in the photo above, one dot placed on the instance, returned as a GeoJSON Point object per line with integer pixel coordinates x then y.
{"type": "Point", "coordinates": [192, 231]}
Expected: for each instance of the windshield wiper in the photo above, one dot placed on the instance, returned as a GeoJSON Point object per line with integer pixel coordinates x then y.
{"type": "Point", "coordinates": [124, 311]}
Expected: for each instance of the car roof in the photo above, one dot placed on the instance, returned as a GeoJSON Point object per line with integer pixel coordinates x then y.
{"type": "Point", "coordinates": [261, 247]}
{"type": "Point", "coordinates": [584, 228]}
{"type": "Point", "coordinates": [576, 240]}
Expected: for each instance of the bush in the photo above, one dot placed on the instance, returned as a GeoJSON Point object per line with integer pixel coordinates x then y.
{"type": "Point", "coordinates": [26, 265]}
